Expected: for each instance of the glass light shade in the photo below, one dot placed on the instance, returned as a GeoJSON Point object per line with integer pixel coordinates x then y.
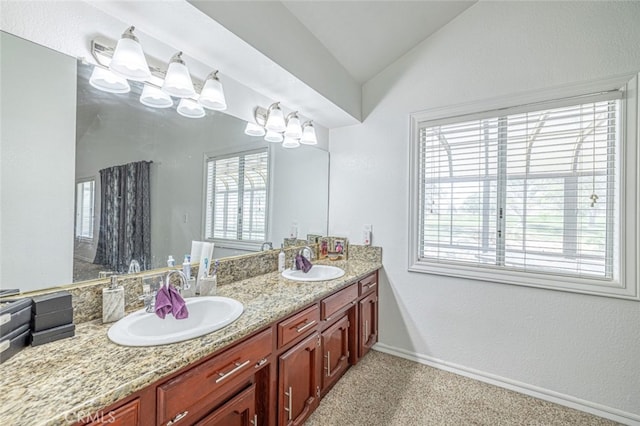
{"type": "Point", "coordinates": [128, 61]}
{"type": "Point", "coordinates": [190, 108]}
{"type": "Point", "coordinates": [178, 82]}
{"type": "Point", "coordinates": [212, 95]}
{"type": "Point", "coordinates": [155, 98]}
{"type": "Point", "coordinates": [308, 135]}
{"type": "Point", "coordinates": [290, 143]}
{"type": "Point", "coordinates": [107, 81]}
{"type": "Point", "coordinates": [275, 119]}
{"type": "Point", "coordinates": [294, 129]}
{"type": "Point", "coordinates": [273, 136]}
{"type": "Point", "coordinates": [253, 129]}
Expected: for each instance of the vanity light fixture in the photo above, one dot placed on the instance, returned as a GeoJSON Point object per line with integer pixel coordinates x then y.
{"type": "Point", "coordinates": [190, 108]}
{"type": "Point", "coordinates": [177, 81]}
{"type": "Point", "coordinates": [294, 129]}
{"type": "Point", "coordinates": [308, 134]}
{"type": "Point", "coordinates": [275, 118]}
{"type": "Point", "coordinates": [290, 143]}
{"type": "Point", "coordinates": [254, 129]}
{"type": "Point", "coordinates": [273, 136]}
{"type": "Point", "coordinates": [212, 94]}
{"type": "Point", "coordinates": [154, 97]}
{"type": "Point", "coordinates": [128, 59]}
{"type": "Point", "coordinates": [105, 80]}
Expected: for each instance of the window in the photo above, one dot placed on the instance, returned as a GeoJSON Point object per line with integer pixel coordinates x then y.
{"type": "Point", "coordinates": [529, 195]}
{"type": "Point", "coordinates": [236, 197]}
{"type": "Point", "coordinates": [85, 208]}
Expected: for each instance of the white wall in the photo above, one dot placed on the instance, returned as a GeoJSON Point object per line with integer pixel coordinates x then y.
{"type": "Point", "coordinates": [37, 165]}
{"type": "Point", "coordinates": [579, 348]}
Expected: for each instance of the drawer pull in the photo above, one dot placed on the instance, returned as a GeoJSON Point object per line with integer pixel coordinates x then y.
{"type": "Point", "coordinates": [288, 407]}
{"type": "Point", "coordinates": [366, 331]}
{"type": "Point", "coordinates": [304, 327]}
{"type": "Point", "coordinates": [328, 363]}
{"type": "Point", "coordinates": [255, 420]}
{"type": "Point", "coordinates": [238, 367]}
{"type": "Point", "coordinates": [177, 418]}
{"type": "Point", "coordinates": [260, 363]}
{"type": "Point", "coordinates": [372, 285]}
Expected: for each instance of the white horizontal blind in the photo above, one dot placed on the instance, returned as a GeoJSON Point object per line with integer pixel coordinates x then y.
{"type": "Point", "coordinates": [237, 196]}
{"type": "Point", "coordinates": [527, 191]}
{"type": "Point", "coordinates": [85, 207]}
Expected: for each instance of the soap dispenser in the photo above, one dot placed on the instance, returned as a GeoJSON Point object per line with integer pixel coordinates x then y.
{"type": "Point", "coordinates": [112, 301]}
{"type": "Point", "coordinates": [281, 259]}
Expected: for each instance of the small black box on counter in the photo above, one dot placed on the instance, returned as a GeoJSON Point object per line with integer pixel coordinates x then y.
{"type": "Point", "coordinates": [13, 342]}
{"type": "Point", "coordinates": [47, 303]}
{"type": "Point", "coordinates": [41, 322]}
{"type": "Point", "coordinates": [52, 334]}
{"type": "Point", "coordinates": [14, 314]}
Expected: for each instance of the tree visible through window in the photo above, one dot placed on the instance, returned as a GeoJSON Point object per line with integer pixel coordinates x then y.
{"type": "Point", "coordinates": [236, 197]}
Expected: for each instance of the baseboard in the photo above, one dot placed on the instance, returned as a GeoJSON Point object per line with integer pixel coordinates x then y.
{"type": "Point", "coordinates": [524, 388]}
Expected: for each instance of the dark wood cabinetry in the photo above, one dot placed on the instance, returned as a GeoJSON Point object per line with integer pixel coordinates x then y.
{"type": "Point", "coordinates": [299, 381]}
{"type": "Point", "coordinates": [239, 411]}
{"type": "Point", "coordinates": [126, 415]}
{"type": "Point", "coordinates": [368, 327]}
{"type": "Point", "coordinates": [335, 352]}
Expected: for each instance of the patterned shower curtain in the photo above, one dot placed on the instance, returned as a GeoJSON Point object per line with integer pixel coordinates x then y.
{"type": "Point", "coordinates": [125, 217]}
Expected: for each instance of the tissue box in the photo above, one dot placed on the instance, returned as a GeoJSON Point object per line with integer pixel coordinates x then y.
{"type": "Point", "coordinates": [13, 315]}
{"type": "Point", "coordinates": [51, 302]}
{"type": "Point", "coordinates": [41, 322]}
{"type": "Point", "coordinates": [52, 334]}
{"type": "Point", "coordinates": [13, 342]}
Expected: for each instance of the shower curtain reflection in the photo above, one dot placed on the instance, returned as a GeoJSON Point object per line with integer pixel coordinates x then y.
{"type": "Point", "coordinates": [125, 217]}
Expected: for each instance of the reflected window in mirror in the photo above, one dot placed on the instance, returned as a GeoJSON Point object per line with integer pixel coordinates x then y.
{"type": "Point", "coordinates": [85, 208]}
{"type": "Point", "coordinates": [237, 197]}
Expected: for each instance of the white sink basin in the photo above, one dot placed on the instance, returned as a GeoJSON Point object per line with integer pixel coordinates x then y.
{"type": "Point", "coordinates": [206, 314]}
{"type": "Point", "coordinates": [316, 273]}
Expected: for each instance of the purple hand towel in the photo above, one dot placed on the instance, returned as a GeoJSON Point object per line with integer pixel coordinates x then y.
{"type": "Point", "coordinates": [303, 264]}
{"type": "Point", "coordinates": [163, 302]}
{"type": "Point", "coordinates": [179, 307]}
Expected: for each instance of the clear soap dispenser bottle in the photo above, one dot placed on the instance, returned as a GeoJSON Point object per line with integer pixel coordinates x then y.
{"type": "Point", "coordinates": [112, 301]}
{"type": "Point", "coordinates": [281, 259]}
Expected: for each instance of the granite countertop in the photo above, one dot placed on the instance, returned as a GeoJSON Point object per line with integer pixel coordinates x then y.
{"type": "Point", "coordinates": [61, 382]}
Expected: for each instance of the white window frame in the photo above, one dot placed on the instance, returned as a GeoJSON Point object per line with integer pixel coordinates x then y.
{"type": "Point", "coordinates": [627, 284]}
{"type": "Point", "coordinates": [79, 214]}
{"type": "Point", "coordinates": [228, 153]}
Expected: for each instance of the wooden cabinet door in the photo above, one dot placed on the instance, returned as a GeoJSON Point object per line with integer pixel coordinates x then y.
{"type": "Point", "coordinates": [239, 411]}
{"type": "Point", "coordinates": [127, 415]}
{"type": "Point", "coordinates": [299, 381]}
{"type": "Point", "coordinates": [335, 352]}
{"type": "Point", "coordinates": [368, 329]}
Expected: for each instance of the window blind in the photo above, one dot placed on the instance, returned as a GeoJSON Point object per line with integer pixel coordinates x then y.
{"type": "Point", "coordinates": [528, 189]}
{"type": "Point", "coordinates": [236, 196]}
{"type": "Point", "coordinates": [85, 201]}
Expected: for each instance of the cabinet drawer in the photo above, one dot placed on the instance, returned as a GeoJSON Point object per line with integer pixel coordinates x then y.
{"type": "Point", "coordinates": [368, 284]}
{"type": "Point", "coordinates": [298, 325]}
{"type": "Point", "coordinates": [337, 302]}
{"type": "Point", "coordinates": [194, 392]}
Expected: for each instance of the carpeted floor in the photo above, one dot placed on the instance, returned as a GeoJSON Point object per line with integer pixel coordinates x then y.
{"type": "Point", "coordinates": [383, 390]}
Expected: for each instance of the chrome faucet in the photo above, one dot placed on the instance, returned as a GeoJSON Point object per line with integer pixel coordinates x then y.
{"type": "Point", "coordinates": [148, 298]}
{"type": "Point", "coordinates": [184, 283]}
{"type": "Point", "coordinates": [266, 244]}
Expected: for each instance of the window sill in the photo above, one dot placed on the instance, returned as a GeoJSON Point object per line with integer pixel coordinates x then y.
{"type": "Point", "coordinates": [617, 289]}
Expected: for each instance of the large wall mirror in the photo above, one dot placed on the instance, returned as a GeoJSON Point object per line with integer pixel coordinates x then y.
{"type": "Point", "coordinates": [59, 132]}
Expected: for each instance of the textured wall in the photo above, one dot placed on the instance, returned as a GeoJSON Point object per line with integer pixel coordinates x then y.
{"type": "Point", "coordinates": [584, 349]}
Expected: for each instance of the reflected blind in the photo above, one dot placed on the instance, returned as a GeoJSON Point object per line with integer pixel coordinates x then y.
{"type": "Point", "coordinates": [528, 189]}
{"type": "Point", "coordinates": [85, 202]}
{"type": "Point", "coordinates": [236, 196]}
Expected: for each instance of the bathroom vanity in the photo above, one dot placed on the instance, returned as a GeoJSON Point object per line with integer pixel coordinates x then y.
{"type": "Point", "coordinates": [270, 367]}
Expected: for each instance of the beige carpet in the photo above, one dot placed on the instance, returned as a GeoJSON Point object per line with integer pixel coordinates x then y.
{"type": "Point", "coordinates": [389, 391]}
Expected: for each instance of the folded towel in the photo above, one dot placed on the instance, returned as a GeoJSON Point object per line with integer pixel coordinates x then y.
{"type": "Point", "coordinates": [303, 264]}
{"type": "Point", "coordinates": [163, 302]}
{"type": "Point", "coordinates": [179, 307]}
